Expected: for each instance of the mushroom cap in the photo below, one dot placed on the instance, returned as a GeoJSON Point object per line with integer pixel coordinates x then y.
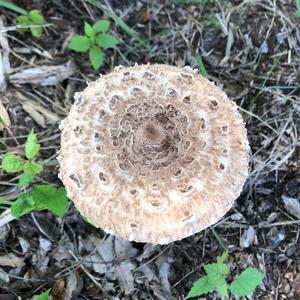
{"type": "Point", "coordinates": [153, 153]}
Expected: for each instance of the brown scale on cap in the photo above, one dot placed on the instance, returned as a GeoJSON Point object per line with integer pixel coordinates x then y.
{"type": "Point", "coordinates": [153, 153]}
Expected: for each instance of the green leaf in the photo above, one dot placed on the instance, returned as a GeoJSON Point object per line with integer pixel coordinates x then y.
{"type": "Point", "coordinates": [96, 57]}
{"type": "Point", "coordinates": [298, 4]}
{"type": "Point", "coordinates": [106, 40]}
{"type": "Point", "coordinates": [88, 30]}
{"type": "Point", "coordinates": [31, 146]}
{"type": "Point", "coordinates": [23, 21]}
{"type": "Point", "coordinates": [246, 282]}
{"type": "Point", "coordinates": [25, 179]}
{"type": "Point", "coordinates": [200, 287]}
{"type": "Point", "coordinates": [36, 17]}
{"type": "Point", "coordinates": [80, 43]}
{"type": "Point", "coordinates": [48, 197]}
{"type": "Point", "coordinates": [36, 31]}
{"type": "Point", "coordinates": [222, 287]}
{"type": "Point", "coordinates": [23, 204]}
{"type": "Point", "coordinates": [12, 163]}
{"type": "Point", "coordinates": [101, 26]}
{"type": "Point", "coordinates": [43, 296]}
{"type": "Point", "coordinates": [32, 168]}
{"type": "Point", "coordinates": [216, 272]}
{"type": "Point", "coordinates": [13, 7]}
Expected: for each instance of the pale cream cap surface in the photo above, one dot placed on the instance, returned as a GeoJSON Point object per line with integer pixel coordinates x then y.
{"type": "Point", "coordinates": [153, 153]}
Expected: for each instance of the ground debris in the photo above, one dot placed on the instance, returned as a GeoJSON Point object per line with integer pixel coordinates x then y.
{"type": "Point", "coordinates": [43, 75]}
{"type": "Point", "coordinates": [292, 205]}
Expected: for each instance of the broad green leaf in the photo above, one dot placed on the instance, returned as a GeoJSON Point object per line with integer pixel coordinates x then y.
{"type": "Point", "coordinates": [298, 4]}
{"type": "Point", "coordinates": [216, 272]}
{"type": "Point", "coordinates": [200, 287]}
{"type": "Point", "coordinates": [88, 30]}
{"type": "Point", "coordinates": [25, 179]}
{"type": "Point", "coordinates": [96, 57]}
{"type": "Point", "coordinates": [22, 205]}
{"type": "Point", "coordinates": [297, 14]}
{"type": "Point", "coordinates": [31, 146]}
{"type": "Point", "coordinates": [36, 17]}
{"type": "Point", "coordinates": [43, 296]}
{"type": "Point", "coordinates": [23, 21]}
{"type": "Point", "coordinates": [245, 283]}
{"type": "Point", "coordinates": [12, 163]}
{"type": "Point", "coordinates": [222, 288]}
{"type": "Point", "coordinates": [32, 168]}
{"type": "Point", "coordinates": [36, 31]}
{"type": "Point", "coordinates": [80, 43]}
{"type": "Point", "coordinates": [101, 26]}
{"type": "Point", "coordinates": [48, 197]}
{"type": "Point", "coordinates": [106, 40]}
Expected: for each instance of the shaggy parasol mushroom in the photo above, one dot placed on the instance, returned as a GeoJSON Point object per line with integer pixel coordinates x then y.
{"type": "Point", "coordinates": [153, 153]}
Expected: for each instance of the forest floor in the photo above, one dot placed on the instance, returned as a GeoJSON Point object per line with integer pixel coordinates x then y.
{"type": "Point", "coordinates": [251, 49]}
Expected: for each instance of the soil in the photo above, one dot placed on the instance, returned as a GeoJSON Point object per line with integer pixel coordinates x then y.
{"type": "Point", "coordinates": [251, 49]}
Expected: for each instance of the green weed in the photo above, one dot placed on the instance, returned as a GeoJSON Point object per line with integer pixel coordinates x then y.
{"type": "Point", "coordinates": [31, 21]}
{"type": "Point", "coordinates": [43, 296]}
{"type": "Point", "coordinates": [215, 279]}
{"type": "Point", "coordinates": [42, 196]}
{"type": "Point", "coordinates": [95, 40]}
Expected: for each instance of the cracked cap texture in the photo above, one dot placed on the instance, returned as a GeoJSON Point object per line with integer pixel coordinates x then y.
{"type": "Point", "coordinates": [153, 153]}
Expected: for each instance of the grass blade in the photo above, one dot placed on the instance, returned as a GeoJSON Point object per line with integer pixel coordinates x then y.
{"type": "Point", "coordinates": [121, 24]}
{"type": "Point", "coordinates": [13, 7]}
{"type": "Point", "coordinates": [201, 66]}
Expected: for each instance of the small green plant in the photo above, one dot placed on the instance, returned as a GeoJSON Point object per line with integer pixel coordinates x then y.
{"type": "Point", "coordinates": [42, 196]}
{"type": "Point", "coordinates": [297, 13]}
{"type": "Point", "coordinates": [215, 279]}
{"type": "Point", "coordinates": [43, 296]}
{"type": "Point", "coordinates": [94, 41]}
{"type": "Point", "coordinates": [33, 21]}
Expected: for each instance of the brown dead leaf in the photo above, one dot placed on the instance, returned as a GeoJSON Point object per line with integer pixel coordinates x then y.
{"type": "Point", "coordinates": [58, 290]}
{"type": "Point", "coordinates": [11, 260]}
{"type": "Point", "coordinates": [4, 117]}
{"type": "Point", "coordinates": [296, 284]}
{"type": "Point", "coordinates": [39, 114]}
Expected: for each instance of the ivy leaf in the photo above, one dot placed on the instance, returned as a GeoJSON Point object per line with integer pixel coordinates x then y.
{"type": "Point", "coordinates": [48, 197]}
{"type": "Point", "coordinates": [106, 40]}
{"type": "Point", "coordinates": [96, 57]}
{"type": "Point", "coordinates": [246, 282]}
{"type": "Point", "coordinates": [43, 296]}
{"type": "Point", "coordinates": [12, 163]}
{"type": "Point", "coordinates": [101, 26]}
{"type": "Point", "coordinates": [25, 179]}
{"type": "Point", "coordinates": [36, 17]}
{"type": "Point", "coordinates": [32, 168]}
{"type": "Point", "coordinates": [31, 146]}
{"type": "Point", "coordinates": [22, 205]}
{"type": "Point", "coordinates": [200, 287]}
{"type": "Point", "coordinates": [88, 30]}
{"type": "Point", "coordinates": [80, 43]}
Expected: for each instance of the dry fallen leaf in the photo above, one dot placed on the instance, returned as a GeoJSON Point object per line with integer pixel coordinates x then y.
{"type": "Point", "coordinates": [292, 205]}
{"type": "Point", "coordinates": [11, 260]}
{"type": "Point", "coordinates": [4, 117]}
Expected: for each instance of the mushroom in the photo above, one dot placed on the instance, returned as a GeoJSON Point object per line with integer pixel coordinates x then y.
{"type": "Point", "coordinates": [153, 153]}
